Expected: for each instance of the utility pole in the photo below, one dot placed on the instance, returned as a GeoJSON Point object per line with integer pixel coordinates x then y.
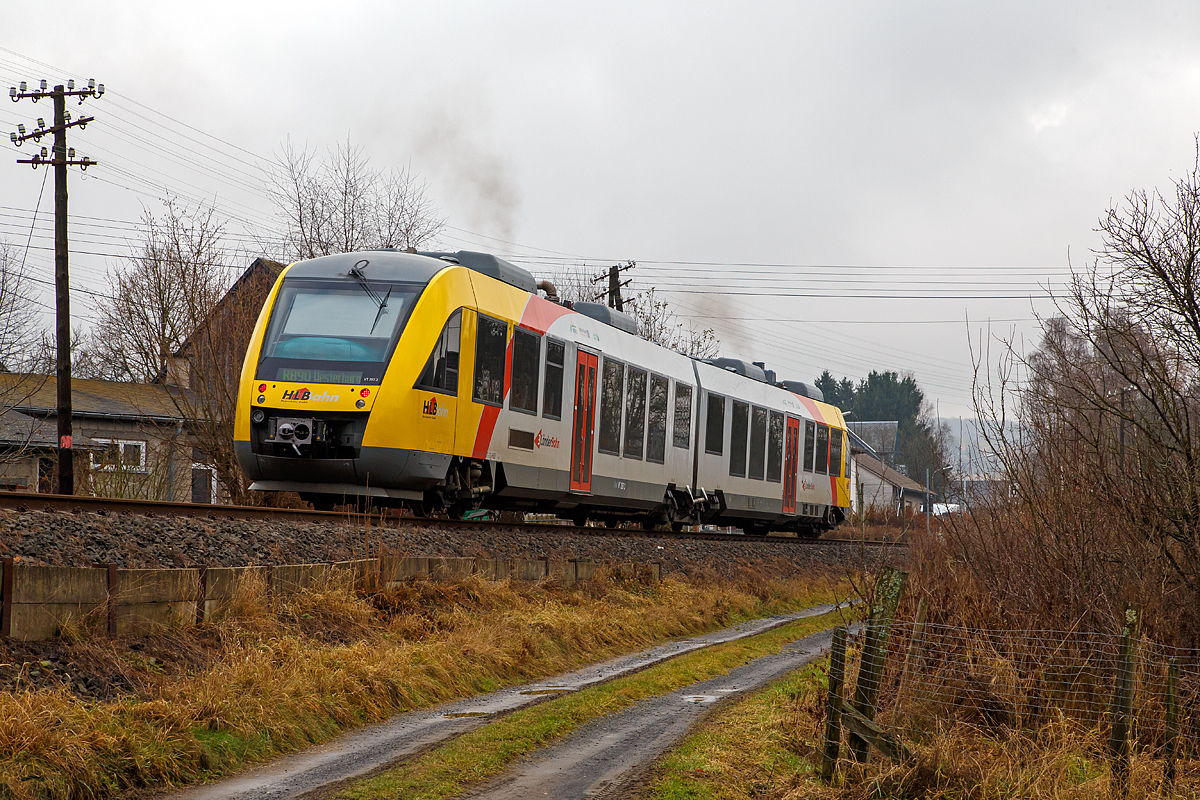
{"type": "Point", "coordinates": [615, 283]}
{"type": "Point", "coordinates": [60, 159]}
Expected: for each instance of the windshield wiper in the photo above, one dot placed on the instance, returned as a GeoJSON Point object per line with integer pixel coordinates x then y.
{"type": "Point", "coordinates": [382, 302]}
{"type": "Point", "coordinates": [382, 307]}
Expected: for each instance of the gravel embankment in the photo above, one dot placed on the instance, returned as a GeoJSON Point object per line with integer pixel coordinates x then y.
{"type": "Point", "coordinates": [133, 541]}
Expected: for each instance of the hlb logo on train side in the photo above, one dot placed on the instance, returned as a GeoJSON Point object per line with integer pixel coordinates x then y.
{"type": "Point", "coordinates": [303, 395]}
{"type": "Point", "coordinates": [545, 441]}
{"type": "Point", "coordinates": [432, 409]}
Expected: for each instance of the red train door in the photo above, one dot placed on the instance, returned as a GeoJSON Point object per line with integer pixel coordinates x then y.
{"type": "Point", "coordinates": [791, 450]}
{"type": "Point", "coordinates": [585, 422]}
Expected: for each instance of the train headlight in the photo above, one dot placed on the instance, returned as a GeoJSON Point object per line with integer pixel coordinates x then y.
{"type": "Point", "coordinates": [262, 398]}
{"type": "Point", "coordinates": [361, 403]}
{"type": "Point", "coordinates": [257, 416]}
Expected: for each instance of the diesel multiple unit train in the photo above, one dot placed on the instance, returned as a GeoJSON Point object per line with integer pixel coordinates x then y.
{"type": "Point", "coordinates": [446, 382]}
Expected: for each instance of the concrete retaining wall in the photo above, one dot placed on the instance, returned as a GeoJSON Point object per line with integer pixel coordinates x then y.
{"type": "Point", "coordinates": [39, 601]}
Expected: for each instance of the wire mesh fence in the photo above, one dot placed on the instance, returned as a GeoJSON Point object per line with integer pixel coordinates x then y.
{"type": "Point", "coordinates": [1024, 679]}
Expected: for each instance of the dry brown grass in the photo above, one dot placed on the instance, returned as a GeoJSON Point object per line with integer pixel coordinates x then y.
{"type": "Point", "coordinates": [276, 673]}
{"type": "Point", "coordinates": [1061, 761]}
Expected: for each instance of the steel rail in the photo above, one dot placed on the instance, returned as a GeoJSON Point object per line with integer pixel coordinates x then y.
{"type": "Point", "coordinates": [57, 503]}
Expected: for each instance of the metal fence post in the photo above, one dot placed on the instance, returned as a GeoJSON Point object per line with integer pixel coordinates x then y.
{"type": "Point", "coordinates": [833, 705]}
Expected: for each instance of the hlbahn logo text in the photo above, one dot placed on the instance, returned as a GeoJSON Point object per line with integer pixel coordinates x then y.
{"type": "Point", "coordinates": [432, 409]}
{"type": "Point", "coordinates": [303, 395]}
{"type": "Point", "coordinates": [545, 441]}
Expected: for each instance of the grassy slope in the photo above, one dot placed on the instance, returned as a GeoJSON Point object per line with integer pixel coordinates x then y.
{"type": "Point", "coordinates": [278, 674]}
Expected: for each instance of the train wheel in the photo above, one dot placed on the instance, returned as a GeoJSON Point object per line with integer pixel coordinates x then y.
{"type": "Point", "coordinates": [648, 524]}
{"type": "Point", "coordinates": [610, 522]}
{"type": "Point", "coordinates": [677, 526]}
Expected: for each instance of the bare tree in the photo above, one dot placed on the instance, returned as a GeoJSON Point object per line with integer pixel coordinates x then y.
{"type": "Point", "coordinates": [20, 352]}
{"type": "Point", "coordinates": [169, 319]}
{"type": "Point", "coordinates": [340, 204]}
{"type": "Point", "coordinates": [163, 293]}
{"type": "Point", "coordinates": [1101, 442]}
{"type": "Point", "coordinates": [661, 325]}
{"type": "Point", "coordinates": [18, 314]}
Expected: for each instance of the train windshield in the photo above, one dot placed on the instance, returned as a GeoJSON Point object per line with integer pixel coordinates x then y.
{"type": "Point", "coordinates": [334, 331]}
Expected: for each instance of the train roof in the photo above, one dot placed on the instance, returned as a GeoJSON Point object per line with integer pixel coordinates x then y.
{"type": "Point", "coordinates": [396, 265]}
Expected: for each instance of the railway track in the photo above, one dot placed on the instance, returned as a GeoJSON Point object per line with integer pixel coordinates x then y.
{"type": "Point", "coordinates": [54, 503]}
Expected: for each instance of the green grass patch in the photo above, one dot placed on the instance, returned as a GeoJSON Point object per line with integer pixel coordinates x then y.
{"type": "Point", "coordinates": [751, 749]}
{"type": "Point", "coordinates": [475, 756]}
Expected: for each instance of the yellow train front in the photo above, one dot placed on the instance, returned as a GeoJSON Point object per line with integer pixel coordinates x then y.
{"type": "Point", "coordinates": [332, 402]}
{"type": "Point", "coordinates": [444, 381]}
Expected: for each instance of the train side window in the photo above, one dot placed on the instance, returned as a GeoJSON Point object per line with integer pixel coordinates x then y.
{"type": "Point", "coordinates": [835, 452]}
{"type": "Point", "coordinates": [758, 442]}
{"type": "Point", "coordinates": [635, 413]}
{"type": "Point", "coordinates": [553, 398]}
{"type": "Point", "coordinates": [441, 371]}
{"type": "Point", "coordinates": [523, 395]}
{"type": "Point", "coordinates": [775, 447]}
{"type": "Point", "coordinates": [656, 424]}
{"type": "Point", "coordinates": [612, 389]}
{"type": "Point", "coordinates": [491, 341]}
{"type": "Point", "coordinates": [683, 416]}
{"type": "Point", "coordinates": [822, 465]}
{"type": "Point", "coordinates": [714, 427]}
{"type": "Point", "coordinates": [810, 449]}
{"type": "Point", "coordinates": [737, 438]}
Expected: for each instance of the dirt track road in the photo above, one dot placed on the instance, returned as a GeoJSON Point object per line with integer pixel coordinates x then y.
{"type": "Point", "coordinates": [369, 749]}
{"type": "Point", "coordinates": [608, 756]}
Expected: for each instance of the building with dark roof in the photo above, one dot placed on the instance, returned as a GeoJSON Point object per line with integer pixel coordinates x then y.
{"type": "Point", "coordinates": [130, 439]}
{"type": "Point", "coordinates": [885, 489]}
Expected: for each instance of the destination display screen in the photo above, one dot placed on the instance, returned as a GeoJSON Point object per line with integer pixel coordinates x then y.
{"type": "Point", "coordinates": [317, 375]}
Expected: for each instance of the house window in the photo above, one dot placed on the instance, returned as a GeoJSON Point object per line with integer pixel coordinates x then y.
{"type": "Point", "coordinates": [204, 482]}
{"type": "Point", "coordinates": [119, 454]}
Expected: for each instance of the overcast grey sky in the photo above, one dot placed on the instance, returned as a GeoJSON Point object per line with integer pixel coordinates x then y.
{"type": "Point", "coordinates": [894, 169]}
